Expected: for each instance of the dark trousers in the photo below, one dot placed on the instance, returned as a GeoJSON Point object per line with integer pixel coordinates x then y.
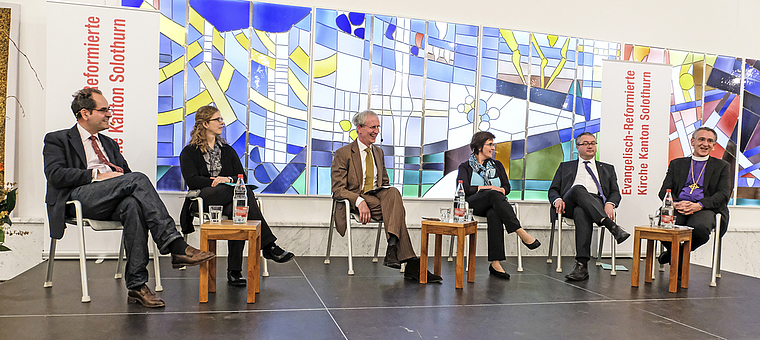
{"type": "Point", "coordinates": [222, 195]}
{"type": "Point", "coordinates": [702, 221]}
{"type": "Point", "coordinates": [132, 200]}
{"type": "Point", "coordinates": [499, 213]}
{"type": "Point", "coordinates": [585, 209]}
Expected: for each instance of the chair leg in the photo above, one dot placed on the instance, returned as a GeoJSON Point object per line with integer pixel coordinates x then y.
{"type": "Point", "coordinates": [551, 243]}
{"type": "Point", "coordinates": [716, 256]}
{"type": "Point", "coordinates": [519, 254]}
{"type": "Point", "coordinates": [451, 249]}
{"type": "Point", "coordinates": [330, 234]}
{"type": "Point", "coordinates": [559, 244]}
{"type": "Point", "coordinates": [83, 262]}
{"type": "Point", "coordinates": [377, 241]}
{"type": "Point", "coordinates": [350, 250]}
{"type": "Point", "coordinates": [264, 266]}
{"type": "Point", "coordinates": [51, 260]}
{"type": "Point", "coordinates": [614, 249]}
{"type": "Point", "coordinates": [157, 266]}
{"type": "Point", "coordinates": [601, 247]}
{"type": "Point", "coordinates": [120, 261]}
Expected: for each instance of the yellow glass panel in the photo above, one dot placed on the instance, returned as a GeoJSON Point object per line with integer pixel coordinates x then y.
{"type": "Point", "coordinates": [217, 95]}
{"type": "Point", "coordinates": [300, 58]}
{"type": "Point", "coordinates": [172, 30]}
{"type": "Point", "coordinates": [301, 92]}
{"type": "Point", "coordinates": [225, 77]}
{"type": "Point", "coordinates": [268, 43]}
{"type": "Point", "coordinates": [197, 21]}
{"type": "Point", "coordinates": [325, 66]}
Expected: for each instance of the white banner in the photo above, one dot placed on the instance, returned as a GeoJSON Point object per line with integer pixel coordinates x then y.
{"type": "Point", "coordinates": [634, 134]}
{"type": "Point", "coordinates": [113, 49]}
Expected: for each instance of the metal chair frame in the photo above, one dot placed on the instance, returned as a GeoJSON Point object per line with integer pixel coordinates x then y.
{"type": "Point", "coordinates": [570, 222]}
{"type": "Point", "coordinates": [349, 217]}
{"type": "Point", "coordinates": [98, 225]}
{"type": "Point", "coordinates": [716, 256]}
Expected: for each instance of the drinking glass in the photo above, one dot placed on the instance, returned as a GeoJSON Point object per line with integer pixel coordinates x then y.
{"type": "Point", "coordinates": [445, 213]}
{"type": "Point", "coordinates": [215, 213]}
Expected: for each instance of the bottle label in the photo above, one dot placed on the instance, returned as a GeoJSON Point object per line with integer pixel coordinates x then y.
{"type": "Point", "coordinates": [241, 213]}
{"type": "Point", "coordinates": [666, 219]}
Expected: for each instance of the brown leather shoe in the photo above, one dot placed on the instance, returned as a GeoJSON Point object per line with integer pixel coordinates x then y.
{"type": "Point", "coordinates": [145, 296]}
{"type": "Point", "coordinates": [192, 257]}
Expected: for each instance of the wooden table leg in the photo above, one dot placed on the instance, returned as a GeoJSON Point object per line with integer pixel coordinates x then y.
{"type": "Point", "coordinates": [437, 258]}
{"type": "Point", "coordinates": [212, 267]}
{"type": "Point", "coordinates": [424, 255]}
{"type": "Point", "coordinates": [649, 261]}
{"type": "Point", "coordinates": [203, 286]}
{"type": "Point", "coordinates": [636, 259]}
{"type": "Point", "coordinates": [459, 281]}
{"type": "Point", "coordinates": [471, 258]}
{"type": "Point", "coordinates": [252, 256]}
{"type": "Point", "coordinates": [674, 245]}
{"type": "Point", "coordinates": [686, 259]}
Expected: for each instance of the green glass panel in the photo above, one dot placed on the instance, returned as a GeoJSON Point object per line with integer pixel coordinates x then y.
{"type": "Point", "coordinates": [543, 163]}
{"type": "Point", "coordinates": [532, 195]}
{"type": "Point", "coordinates": [410, 190]}
{"type": "Point", "coordinates": [515, 195]}
{"type": "Point", "coordinates": [300, 183]}
{"type": "Point", "coordinates": [516, 169]}
{"type": "Point", "coordinates": [425, 188]}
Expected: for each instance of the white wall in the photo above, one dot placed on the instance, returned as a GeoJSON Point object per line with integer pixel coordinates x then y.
{"type": "Point", "coordinates": [702, 26]}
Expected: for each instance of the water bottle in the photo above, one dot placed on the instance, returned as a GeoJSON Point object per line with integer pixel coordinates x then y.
{"type": "Point", "coordinates": [459, 203]}
{"type": "Point", "coordinates": [240, 202]}
{"type": "Point", "coordinates": [667, 216]}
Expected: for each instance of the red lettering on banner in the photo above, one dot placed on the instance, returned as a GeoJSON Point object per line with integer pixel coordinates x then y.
{"type": "Point", "coordinates": [92, 47]}
{"type": "Point", "coordinates": [118, 57]}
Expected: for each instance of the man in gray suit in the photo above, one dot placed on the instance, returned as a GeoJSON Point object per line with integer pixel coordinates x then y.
{"type": "Point", "coordinates": [586, 191]}
{"type": "Point", "coordinates": [82, 164]}
{"type": "Point", "coordinates": [358, 174]}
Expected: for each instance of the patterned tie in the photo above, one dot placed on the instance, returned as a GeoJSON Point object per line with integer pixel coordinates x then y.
{"type": "Point", "coordinates": [102, 157]}
{"type": "Point", "coordinates": [596, 181]}
{"type": "Point", "coordinates": [370, 166]}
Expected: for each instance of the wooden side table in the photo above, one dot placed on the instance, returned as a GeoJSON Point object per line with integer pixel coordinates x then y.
{"type": "Point", "coordinates": [227, 230]}
{"type": "Point", "coordinates": [460, 230]}
{"type": "Point", "coordinates": [675, 236]}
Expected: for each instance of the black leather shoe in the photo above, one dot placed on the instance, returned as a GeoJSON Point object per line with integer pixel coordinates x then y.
{"type": "Point", "coordinates": [664, 257]}
{"type": "Point", "coordinates": [235, 278]}
{"type": "Point", "coordinates": [277, 254]}
{"type": "Point", "coordinates": [533, 245]}
{"type": "Point", "coordinates": [145, 296]}
{"type": "Point", "coordinates": [498, 274]}
{"type": "Point", "coordinates": [579, 273]}
{"type": "Point", "coordinates": [391, 257]}
{"type": "Point", "coordinates": [192, 257]}
{"type": "Point", "coordinates": [412, 272]}
{"type": "Point", "coordinates": [620, 234]}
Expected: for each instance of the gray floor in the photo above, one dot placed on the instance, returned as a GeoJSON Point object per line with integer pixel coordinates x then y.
{"type": "Point", "coordinates": [305, 299]}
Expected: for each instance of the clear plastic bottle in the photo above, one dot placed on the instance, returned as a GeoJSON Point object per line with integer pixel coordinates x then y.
{"type": "Point", "coordinates": [460, 206]}
{"type": "Point", "coordinates": [240, 202]}
{"type": "Point", "coordinates": [667, 212]}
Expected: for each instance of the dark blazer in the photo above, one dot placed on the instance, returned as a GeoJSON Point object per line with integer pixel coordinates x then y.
{"type": "Point", "coordinates": [565, 176]}
{"type": "Point", "coordinates": [465, 175]}
{"type": "Point", "coordinates": [66, 169]}
{"type": "Point", "coordinates": [717, 185]}
{"type": "Point", "coordinates": [196, 175]}
{"type": "Point", "coordinates": [348, 178]}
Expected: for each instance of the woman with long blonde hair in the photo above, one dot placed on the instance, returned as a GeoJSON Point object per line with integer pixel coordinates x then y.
{"type": "Point", "coordinates": [207, 163]}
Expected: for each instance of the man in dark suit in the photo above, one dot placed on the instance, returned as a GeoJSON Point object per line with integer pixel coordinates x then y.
{"type": "Point", "coordinates": [359, 168]}
{"type": "Point", "coordinates": [701, 187]}
{"type": "Point", "coordinates": [82, 164]}
{"type": "Point", "coordinates": [586, 191]}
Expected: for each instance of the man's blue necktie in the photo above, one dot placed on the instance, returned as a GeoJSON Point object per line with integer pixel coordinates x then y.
{"type": "Point", "coordinates": [596, 181]}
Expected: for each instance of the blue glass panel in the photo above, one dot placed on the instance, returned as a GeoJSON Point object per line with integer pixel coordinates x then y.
{"type": "Point", "coordinates": [440, 71]}
{"type": "Point", "coordinates": [547, 97]}
{"type": "Point", "coordinates": [518, 149]}
{"type": "Point", "coordinates": [512, 90]}
{"type": "Point", "coordinates": [356, 18]}
{"type": "Point", "coordinates": [256, 140]}
{"type": "Point", "coordinates": [326, 37]}
{"type": "Point", "coordinates": [285, 179]}
{"type": "Point", "coordinates": [261, 175]}
{"type": "Point", "coordinates": [255, 155]}
{"type": "Point", "coordinates": [165, 133]}
{"type": "Point", "coordinates": [436, 147]}
{"type": "Point", "coordinates": [342, 22]}
{"type": "Point", "coordinates": [237, 89]}
{"type": "Point", "coordinates": [224, 15]}
{"type": "Point", "coordinates": [171, 180]}
{"type": "Point", "coordinates": [277, 18]}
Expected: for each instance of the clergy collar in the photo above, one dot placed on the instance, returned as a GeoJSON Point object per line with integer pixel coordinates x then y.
{"type": "Point", "coordinates": [700, 159]}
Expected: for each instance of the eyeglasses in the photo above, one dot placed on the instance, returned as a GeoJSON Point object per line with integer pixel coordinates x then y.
{"type": "Point", "coordinates": [218, 119]}
{"type": "Point", "coordinates": [488, 144]}
{"type": "Point", "coordinates": [703, 139]}
{"type": "Point", "coordinates": [102, 109]}
{"type": "Point", "coordinates": [585, 144]}
{"type": "Point", "coordinates": [373, 127]}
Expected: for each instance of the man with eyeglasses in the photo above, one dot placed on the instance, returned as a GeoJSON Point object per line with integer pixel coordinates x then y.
{"type": "Point", "coordinates": [82, 164]}
{"type": "Point", "coordinates": [358, 174]}
{"type": "Point", "coordinates": [701, 186]}
{"type": "Point", "coordinates": [586, 191]}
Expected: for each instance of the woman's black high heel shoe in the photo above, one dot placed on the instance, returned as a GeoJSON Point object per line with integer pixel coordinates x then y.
{"type": "Point", "coordinates": [533, 245]}
{"type": "Point", "coordinates": [494, 272]}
